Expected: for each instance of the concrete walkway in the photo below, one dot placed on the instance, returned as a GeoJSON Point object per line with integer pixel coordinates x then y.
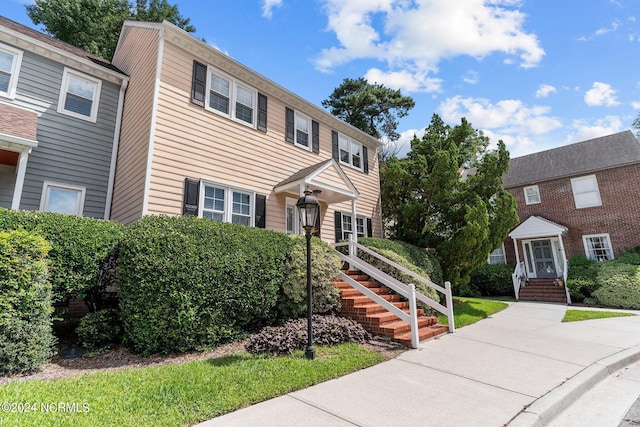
{"type": "Point", "coordinates": [520, 367]}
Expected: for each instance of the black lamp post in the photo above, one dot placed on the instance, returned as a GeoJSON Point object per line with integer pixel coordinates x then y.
{"type": "Point", "coordinates": [308, 208]}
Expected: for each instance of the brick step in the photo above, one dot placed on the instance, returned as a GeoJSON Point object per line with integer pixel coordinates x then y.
{"type": "Point", "coordinates": [544, 298]}
{"type": "Point", "coordinates": [351, 292]}
{"type": "Point", "coordinates": [375, 318]}
{"type": "Point", "coordinates": [423, 334]}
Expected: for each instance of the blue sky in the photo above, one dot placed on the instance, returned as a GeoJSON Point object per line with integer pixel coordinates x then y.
{"type": "Point", "coordinates": [535, 73]}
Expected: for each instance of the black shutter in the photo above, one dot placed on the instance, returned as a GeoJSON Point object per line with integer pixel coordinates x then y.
{"type": "Point", "coordinates": [262, 112]}
{"type": "Point", "coordinates": [199, 83]}
{"type": "Point", "coordinates": [337, 216]}
{"type": "Point", "coordinates": [369, 228]}
{"type": "Point", "coordinates": [191, 196]}
{"type": "Point", "coordinates": [335, 151]}
{"type": "Point", "coordinates": [315, 138]}
{"type": "Point", "coordinates": [261, 211]}
{"type": "Point", "coordinates": [365, 159]}
{"type": "Point", "coordinates": [289, 118]}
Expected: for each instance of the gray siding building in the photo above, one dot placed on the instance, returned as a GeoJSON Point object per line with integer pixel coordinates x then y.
{"type": "Point", "coordinates": [60, 110]}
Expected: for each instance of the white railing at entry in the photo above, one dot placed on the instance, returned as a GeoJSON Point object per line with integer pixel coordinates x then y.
{"type": "Point", "coordinates": [407, 291]}
{"type": "Point", "coordinates": [519, 275]}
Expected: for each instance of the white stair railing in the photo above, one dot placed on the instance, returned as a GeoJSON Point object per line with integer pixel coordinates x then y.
{"type": "Point", "coordinates": [407, 291]}
{"type": "Point", "coordinates": [517, 277]}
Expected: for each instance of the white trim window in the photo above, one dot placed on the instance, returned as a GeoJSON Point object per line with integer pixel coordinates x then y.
{"type": "Point", "coordinates": [598, 247]}
{"type": "Point", "coordinates": [231, 98]}
{"type": "Point", "coordinates": [62, 198]}
{"type": "Point", "coordinates": [586, 193]}
{"type": "Point", "coordinates": [350, 152]}
{"type": "Point", "coordinates": [292, 221]}
{"type": "Point", "coordinates": [532, 195]}
{"type": "Point", "coordinates": [347, 226]}
{"type": "Point", "coordinates": [79, 95]}
{"type": "Point", "coordinates": [302, 129]}
{"type": "Point", "coordinates": [10, 61]}
{"type": "Point", "coordinates": [227, 204]}
{"type": "Point", "coordinates": [498, 256]}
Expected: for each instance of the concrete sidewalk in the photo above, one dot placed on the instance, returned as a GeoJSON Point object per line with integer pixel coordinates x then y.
{"type": "Point", "coordinates": [521, 367]}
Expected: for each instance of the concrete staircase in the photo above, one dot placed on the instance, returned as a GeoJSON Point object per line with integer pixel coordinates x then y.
{"type": "Point", "coordinates": [376, 319]}
{"type": "Point", "coordinates": [543, 290]}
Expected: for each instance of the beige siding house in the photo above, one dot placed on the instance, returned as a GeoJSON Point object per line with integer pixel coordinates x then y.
{"type": "Point", "coordinates": [204, 135]}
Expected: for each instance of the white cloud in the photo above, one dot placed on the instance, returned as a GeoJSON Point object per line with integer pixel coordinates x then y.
{"type": "Point", "coordinates": [545, 90]}
{"type": "Point", "coordinates": [509, 117]}
{"type": "Point", "coordinates": [268, 6]}
{"type": "Point", "coordinates": [404, 80]}
{"type": "Point", "coordinates": [471, 77]}
{"type": "Point", "coordinates": [614, 26]}
{"type": "Point", "coordinates": [414, 36]}
{"type": "Point", "coordinates": [636, 105]}
{"type": "Point", "coordinates": [585, 130]}
{"type": "Point", "coordinates": [601, 94]}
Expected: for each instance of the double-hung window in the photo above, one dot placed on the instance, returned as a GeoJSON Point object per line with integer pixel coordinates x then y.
{"type": "Point", "coordinates": [10, 60]}
{"type": "Point", "coordinates": [532, 195]}
{"type": "Point", "coordinates": [302, 131]}
{"type": "Point", "coordinates": [232, 98]}
{"type": "Point", "coordinates": [585, 191]}
{"type": "Point", "coordinates": [350, 151]}
{"type": "Point", "coordinates": [498, 256]}
{"type": "Point", "coordinates": [79, 95]}
{"type": "Point", "coordinates": [62, 198]}
{"type": "Point", "coordinates": [226, 204]}
{"type": "Point", "coordinates": [348, 226]}
{"type": "Point", "coordinates": [598, 247]}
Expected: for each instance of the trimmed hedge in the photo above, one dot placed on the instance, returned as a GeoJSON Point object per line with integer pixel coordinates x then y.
{"type": "Point", "coordinates": [98, 331]}
{"type": "Point", "coordinates": [26, 337]}
{"type": "Point", "coordinates": [582, 278]}
{"type": "Point", "coordinates": [493, 280]}
{"type": "Point", "coordinates": [620, 285]}
{"type": "Point", "coordinates": [80, 247]}
{"type": "Point", "coordinates": [189, 283]}
{"type": "Point", "coordinates": [325, 266]}
{"type": "Point", "coordinates": [420, 257]}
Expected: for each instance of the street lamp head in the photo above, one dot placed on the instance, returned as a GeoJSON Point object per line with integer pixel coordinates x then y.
{"type": "Point", "coordinates": [308, 208]}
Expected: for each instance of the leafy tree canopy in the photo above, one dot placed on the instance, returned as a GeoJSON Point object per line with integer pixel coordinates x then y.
{"type": "Point", "coordinates": [447, 194]}
{"type": "Point", "coordinates": [372, 108]}
{"type": "Point", "coordinates": [94, 25]}
{"type": "Point", "coordinates": [636, 126]}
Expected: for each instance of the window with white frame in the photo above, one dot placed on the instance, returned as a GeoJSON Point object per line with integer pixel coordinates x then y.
{"type": "Point", "coordinates": [79, 95]}
{"type": "Point", "coordinates": [585, 191]}
{"type": "Point", "coordinates": [232, 98]}
{"type": "Point", "coordinates": [10, 61]}
{"type": "Point", "coordinates": [291, 217]}
{"type": "Point", "coordinates": [62, 198]}
{"type": "Point", "coordinates": [498, 256]}
{"type": "Point", "coordinates": [302, 131]}
{"type": "Point", "coordinates": [350, 151]}
{"type": "Point", "coordinates": [226, 204]}
{"type": "Point", "coordinates": [532, 195]}
{"type": "Point", "coordinates": [347, 226]}
{"type": "Point", "coordinates": [598, 247]}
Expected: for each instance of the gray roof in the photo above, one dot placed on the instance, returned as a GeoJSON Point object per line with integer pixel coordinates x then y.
{"type": "Point", "coordinates": [580, 158]}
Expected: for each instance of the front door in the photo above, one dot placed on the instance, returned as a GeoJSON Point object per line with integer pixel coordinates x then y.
{"type": "Point", "coordinates": [543, 258]}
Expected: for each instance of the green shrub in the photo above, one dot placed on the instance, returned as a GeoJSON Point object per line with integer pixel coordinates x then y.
{"type": "Point", "coordinates": [493, 279]}
{"type": "Point", "coordinates": [100, 330]}
{"type": "Point", "coordinates": [80, 246]}
{"type": "Point", "coordinates": [582, 277]}
{"type": "Point", "coordinates": [325, 266]}
{"type": "Point", "coordinates": [423, 288]}
{"type": "Point", "coordinates": [620, 286]}
{"type": "Point", "coordinates": [292, 335]}
{"type": "Point", "coordinates": [26, 339]}
{"type": "Point", "coordinates": [631, 257]}
{"type": "Point", "coordinates": [425, 259]}
{"type": "Point", "coordinates": [190, 283]}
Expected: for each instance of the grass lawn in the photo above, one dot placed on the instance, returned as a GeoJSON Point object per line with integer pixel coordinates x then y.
{"type": "Point", "coordinates": [578, 315]}
{"type": "Point", "coordinates": [470, 310]}
{"type": "Point", "coordinates": [175, 395]}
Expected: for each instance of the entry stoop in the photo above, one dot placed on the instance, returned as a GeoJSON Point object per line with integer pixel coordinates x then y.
{"type": "Point", "coordinates": [375, 318]}
{"type": "Point", "coordinates": [543, 290]}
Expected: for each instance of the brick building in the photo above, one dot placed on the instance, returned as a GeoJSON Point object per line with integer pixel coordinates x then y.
{"type": "Point", "coordinates": [576, 199]}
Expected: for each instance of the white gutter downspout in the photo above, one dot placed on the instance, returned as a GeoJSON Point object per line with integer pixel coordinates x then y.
{"type": "Point", "coordinates": [114, 150]}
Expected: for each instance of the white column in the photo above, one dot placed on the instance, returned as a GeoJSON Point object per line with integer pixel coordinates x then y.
{"type": "Point", "coordinates": [21, 169]}
{"type": "Point", "coordinates": [354, 221]}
